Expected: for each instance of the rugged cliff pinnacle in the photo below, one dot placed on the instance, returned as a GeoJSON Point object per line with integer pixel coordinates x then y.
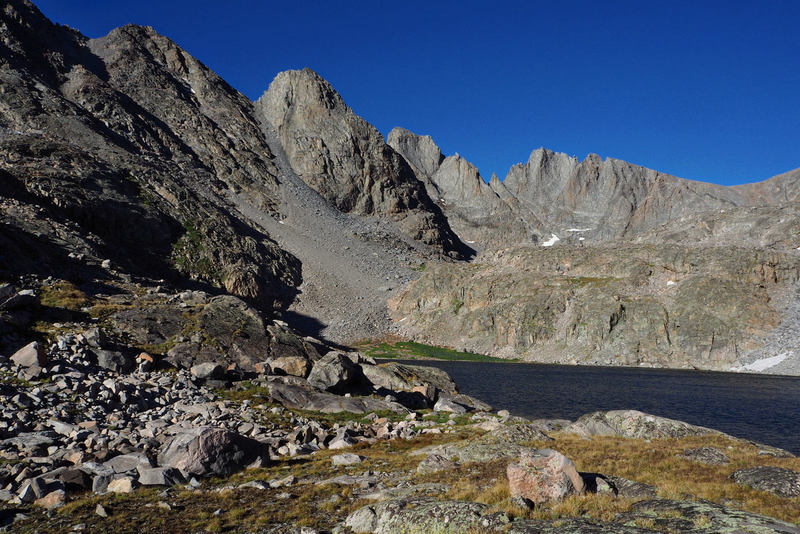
{"type": "Point", "coordinates": [346, 160]}
{"type": "Point", "coordinates": [477, 213]}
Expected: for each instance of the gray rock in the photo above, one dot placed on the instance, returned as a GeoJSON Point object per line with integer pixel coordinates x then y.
{"type": "Point", "coordinates": [334, 372]}
{"type": "Point", "coordinates": [114, 360]}
{"type": "Point", "coordinates": [505, 442]}
{"type": "Point", "coordinates": [425, 515]}
{"type": "Point", "coordinates": [306, 398]}
{"type": "Point", "coordinates": [705, 455]}
{"type": "Point", "coordinates": [684, 516]}
{"type": "Point", "coordinates": [435, 462]}
{"type": "Point", "coordinates": [346, 458]}
{"type": "Point", "coordinates": [635, 424]}
{"type": "Point", "coordinates": [31, 355]}
{"type": "Point", "coordinates": [160, 476]}
{"type": "Point", "coordinates": [446, 404]}
{"type": "Point", "coordinates": [207, 370]}
{"type": "Point", "coordinates": [209, 451]}
{"type": "Point", "coordinates": [127, 463]}
{"type": "Point", "coordinates": [776, 480]}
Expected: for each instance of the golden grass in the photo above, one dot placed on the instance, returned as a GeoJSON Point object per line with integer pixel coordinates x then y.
{"type": "Point", "coordinates": [656, 462]}
{"type": "Point", "coordinates": [63, 294]}
{"type": "Point", "coordinates": [652, 462]}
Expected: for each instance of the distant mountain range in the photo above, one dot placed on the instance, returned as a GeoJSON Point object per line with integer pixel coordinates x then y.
{"type": "Point", "coordinates": [129, 149]}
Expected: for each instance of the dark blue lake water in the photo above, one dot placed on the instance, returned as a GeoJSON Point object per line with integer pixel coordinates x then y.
{"type": "Point", "coordinates": [756, 407]}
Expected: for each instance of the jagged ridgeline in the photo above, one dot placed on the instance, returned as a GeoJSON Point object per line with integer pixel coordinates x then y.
{"type": "Point", "coordinates": [127, 148]}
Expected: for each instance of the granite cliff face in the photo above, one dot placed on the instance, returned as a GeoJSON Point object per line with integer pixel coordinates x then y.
{"type": "Point", "coordinates": [109, 152]}
{"type": "Point", "coordinates": [346, 160]}
{"type": "Point", "coordinates": [664, 306]}
{"type": "Point", "coordinates": [589, 201]}
{"type": "Point", "coordinates": [127, 148]}
{"type": "Point", "coordinates": [609, 291]}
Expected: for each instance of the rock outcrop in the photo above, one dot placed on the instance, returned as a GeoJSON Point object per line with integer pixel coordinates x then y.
{"type": "Point", "coordinates": [670, 306]}
{"type": "Point", "coordinates": [478, 214]}
{"type": "Point", "coordinates": [121, 148]}
{"type": "Point", "coordinates": [346, 160]}
{"type": "Point", "coordinates": [543, 476]}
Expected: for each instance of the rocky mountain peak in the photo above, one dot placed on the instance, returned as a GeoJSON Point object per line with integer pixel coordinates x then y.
{"type": "Point", "coordinates": [294, 89]}
{"type": "Point", "coordinates": [420, 151]}
{"type": "Point", "coordinates": [346, 160]}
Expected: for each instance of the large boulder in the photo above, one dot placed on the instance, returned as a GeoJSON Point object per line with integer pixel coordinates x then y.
{"type": "Point", "coordinates": [776, 480]}
{"type": "Point", "coordinates": [290, 365]}
{"type": "Point", "coordinates": [544, 475]}
{"type": "Point", "coordinates": [114, 360]}
{"type": "Point", "coordinates": [31, 355]}
{"type": "Point", "coordinates": [508, 441]}
{"type": "Point", "coordinates": [207, 451]}
{"type": "Point", "coordinates": [635, 424]}
{"type": "Point", "coordinates": [705, 455]}
{"type": "Point", "coordinates": [425, 515]}
{"type": "Point", "coordinates": [207, 370]}
{"type": "Point", "coordinates": [301, 397]}
{"type": "Point", "coordinates": [403, 377]}
{"type": "Point", "coordinates": [334, 372]}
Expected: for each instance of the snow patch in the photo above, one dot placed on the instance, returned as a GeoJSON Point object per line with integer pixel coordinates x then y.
{"type": "Point", "coordinates": [670, 282]}
{"type": "Point", "coordinates": [578, 229]}
{"type": "Point", "coordinates": [763, 364]}
{"type": "Point", "coordinates": [470, 242]}
{"type": "Point", "coordinates": [581, 239]}
{"type": "Point", "coordinates": [552, 241]}
{"type": "Point", "coordinates": [281, 222]}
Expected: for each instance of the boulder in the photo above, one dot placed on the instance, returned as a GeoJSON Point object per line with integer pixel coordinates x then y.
{"type": "Point", "coordinates": [504, 442]}
{"type": "Point", "coordinates": [114, 360]}
{"type": "Point", "coordinates": [290, 365]}
{"type": "Point", "coordinates": [422, 514]}
{"type": "Point", "coordinates": [544, 475]}
{"type": "Point", "coordinates": [52, 500]}
{"type": "Point", "coordinates": [435, 462]}
{"type": "Point", "coordinates": [635, 424]}
{"type": "Point", "coordinates": [207, 370]}
{"type": "Point", "coordinates": [447, 404]}
{"type": "Point", "coordinates": [347, 458]}
{"type": "Point", "coordinates": [705, 455]}
{"type": "Point", "coordinates": [686, 516]}
{"type": "Point", "coordinates": [207, 451]}
{"type": "Point", "coordinates": [159, 476]}
{"type": "Point", "coordinates": [121, 485]}
{"type": "Point", "coordinates": [127, 463]}
{"type": "Point", "coordinates": [776, 480]}
{"type": "Point", "coordinates": [305, 398]}
{"type": "Point", "coordinates": [334, 372]}
{"type": "Point", "coordinates": [31, 355]}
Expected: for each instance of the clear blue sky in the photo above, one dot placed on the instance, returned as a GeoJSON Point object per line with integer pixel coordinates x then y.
{"type": "Point", "coordinates": [707, 90]}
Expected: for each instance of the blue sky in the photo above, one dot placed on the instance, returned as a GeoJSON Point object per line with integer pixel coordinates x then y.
{"type": "Point", "coordinates": [704, 90]}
